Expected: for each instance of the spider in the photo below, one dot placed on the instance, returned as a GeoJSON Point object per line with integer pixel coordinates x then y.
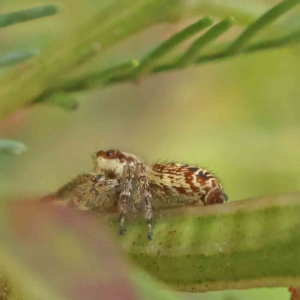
{"type": "Point", "coordinates": [122, 180]}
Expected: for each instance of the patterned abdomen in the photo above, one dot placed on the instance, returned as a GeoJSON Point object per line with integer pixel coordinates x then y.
{"type": "Point", "coordinates": [178, 184]}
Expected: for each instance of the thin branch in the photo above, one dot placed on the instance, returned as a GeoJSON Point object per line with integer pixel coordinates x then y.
{"type": "Point", "coordinates": [150, 60]}
{"type": "Point", "coordinates": [223, 54]}
{"type": "Point", "coordinates": [270, 16]}
{"type": "Point", "coordinates": [24, 84]}
{"type": "Point", "coordinates": [94, 78]}
{"type": "Point", "coordinates": [27, 14]}
{"type": "Point", "coordinates": [245, 12]}
{"type": "Point", "coordinates": [27, 84]}
{"type": "Point", "coordinates": [123, 72]}
{"type": "Point", "coordinates": [191, 55]}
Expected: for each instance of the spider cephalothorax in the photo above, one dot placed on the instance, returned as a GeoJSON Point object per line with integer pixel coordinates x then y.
{"type": "Point", "coordinates": [130, 172]}
{"type": "Point", "coordinates": [112, 163]}
{"type": "Point", "coordinates": [121, 180]}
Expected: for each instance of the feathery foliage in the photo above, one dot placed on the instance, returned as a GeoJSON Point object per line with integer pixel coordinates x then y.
{"type": "Point", "coordinates": [192, 249]}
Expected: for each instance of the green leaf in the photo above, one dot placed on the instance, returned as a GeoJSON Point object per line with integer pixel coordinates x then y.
{"type": "Point", "coordinates": [242, 244]}
{"type": "Point", "coordinates": [35, 82]}
{"type": "Point", "coordinates": [288, 39]}
{"type": "Point", "coordinates": [118, 21]}
{"type": "Point", "coordinates": [283, 41]}
{"type": "Point", "coordinates": [149, 61]}
{"type": "Point", "coordinates": [94, 78]}
{"type": "Point", "coordinates": [12, 147]}
{"type": "Point", "coordinates": [245, 12]}
{"type": "Point", "coordinates": [123, 71]}
{"type": "Point", "coordinates": [191, 55]}
{"type": "Point", "coordinates": [27, 14]}
{"type": "Point", "coordinates": [270, 16]}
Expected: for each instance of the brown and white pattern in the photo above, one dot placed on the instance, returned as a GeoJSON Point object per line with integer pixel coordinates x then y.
{"type": "Point", "coordinates": [178, 184]}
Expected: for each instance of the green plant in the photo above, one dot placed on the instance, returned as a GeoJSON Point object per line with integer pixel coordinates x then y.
{"type": "Point", "coordinates": [197, 238]}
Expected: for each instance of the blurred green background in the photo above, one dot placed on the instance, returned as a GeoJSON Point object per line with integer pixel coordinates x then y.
{"type": "Point", "coordinates": [238, 117]}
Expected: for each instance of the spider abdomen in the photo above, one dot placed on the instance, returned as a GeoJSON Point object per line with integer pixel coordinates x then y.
{"type": "Point", "coordinates": [179, 184]}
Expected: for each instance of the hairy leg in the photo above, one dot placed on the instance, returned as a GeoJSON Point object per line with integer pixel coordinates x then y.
{"type": "Point", "coordinates": [144, 192]}
{"type": "Point", "coordinates": [125, 194]}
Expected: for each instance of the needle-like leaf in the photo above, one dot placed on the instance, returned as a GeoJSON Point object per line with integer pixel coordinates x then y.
{"type": "Point", "coordinates": [270, 16]}
{"type": "Point", "coordinates": [149, 61]}
{"type": "Point", "coordinates": [191, 55]}
{"type": "Point", "coordinates": [27, 14]}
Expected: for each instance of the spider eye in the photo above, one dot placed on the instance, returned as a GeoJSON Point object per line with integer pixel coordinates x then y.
{"type": "Point", "coordinates": [109, 153]}
{"type": "Point", "coordinates": [99, 177]}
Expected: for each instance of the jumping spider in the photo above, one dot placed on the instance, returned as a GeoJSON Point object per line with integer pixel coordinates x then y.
{"type": "Point", "coordinates": [122, 180]}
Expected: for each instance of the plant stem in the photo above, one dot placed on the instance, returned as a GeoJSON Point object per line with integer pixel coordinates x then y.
{"type": "Point", "coordinates": [27, 82]}
{"type": "Point", "coordinates": [93, 78]}
{"type": "Point", "coordinates": [149, 61]}
{"type": "Point", "coordinates": [190, 56]}
{"type": "Point", "coordinates": [223, 54]}
{"type": "Point", "coordinates": [27, 14]}
{"type": "Point", "coordinates": [50, 72]}
{"type": "Point", "coordinates": [270, 16]}
{"type": "Point", "coordinates": [122, 72]}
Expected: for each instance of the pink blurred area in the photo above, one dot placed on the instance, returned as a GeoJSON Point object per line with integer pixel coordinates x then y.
{"type": "Point", "coordinates": [73, 256]}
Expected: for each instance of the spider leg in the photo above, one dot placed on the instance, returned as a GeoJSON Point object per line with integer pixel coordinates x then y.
{"type": "Point", "coordinates": [125, 194]}
{"type": "Point", "coordinates": [144, 191]}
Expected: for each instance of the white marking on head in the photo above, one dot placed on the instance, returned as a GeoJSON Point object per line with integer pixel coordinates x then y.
{"type": "Point", "coordinates": [103, 165]}
{"type": "Point", "coordinates": [112, 162]}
